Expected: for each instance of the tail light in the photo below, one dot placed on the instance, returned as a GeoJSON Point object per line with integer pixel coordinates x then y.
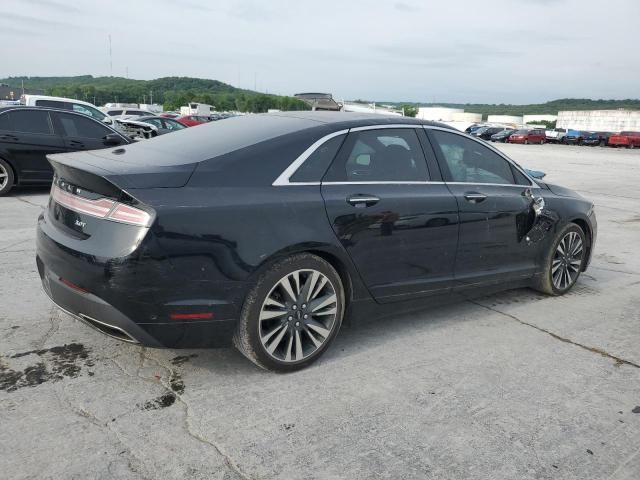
{"type": "Point", "coordinates": [101, 208]}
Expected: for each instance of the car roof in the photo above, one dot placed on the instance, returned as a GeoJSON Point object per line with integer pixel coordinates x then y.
{"type": "Point", "coordinates": [58, 99]}
{"type": "Point", "coordinates": [214, 139]}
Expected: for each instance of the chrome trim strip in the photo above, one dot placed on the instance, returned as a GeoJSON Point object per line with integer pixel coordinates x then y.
{"type": "Point", "coordinates": [490, 147]}
{"type": "Point", "coordinates": [383, 183]}
{"type": "Point", "coordinates": [493, 184]}
{"type": "Point", "coordinates": [87, 320]}
{"type": "Point", "coordinates": [283, 179]}
{"type": "Point", "coordinates": [379, 127]}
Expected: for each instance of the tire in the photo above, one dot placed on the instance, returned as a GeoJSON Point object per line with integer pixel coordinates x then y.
{"type": "Point", "coordinates": [7, 177]}
{"type": "Point", "coordinates": [603, 143]}
{"type": "Point", "coordinates": [550, 281]}
{"type": "Point", "coordinates": [295, 338]}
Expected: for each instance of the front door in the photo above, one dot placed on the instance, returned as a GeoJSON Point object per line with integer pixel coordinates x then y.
{"type": "Point", "coordinates": [80, 132]}
{"type": "Point", "coordinates": [399, 229]}
{"type": "Point", "coordinates": [495, 204]}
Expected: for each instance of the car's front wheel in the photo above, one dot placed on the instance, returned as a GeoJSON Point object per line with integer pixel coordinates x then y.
{"type": "Point", "coordinates": [6, 177]}
{"type": "Point", "coordinates": [564, 261]}
{"type": "Point", "coordinates": [292, 314]}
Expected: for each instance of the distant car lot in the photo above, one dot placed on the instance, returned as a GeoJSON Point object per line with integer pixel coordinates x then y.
{"type": "Point", "coordinates": [516, 385]}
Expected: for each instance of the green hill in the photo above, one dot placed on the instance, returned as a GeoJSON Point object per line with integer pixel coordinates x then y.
{"type": "Point", "coordinates": [551, 108]}
{"type": "Point", "coordinates": [172, 92]}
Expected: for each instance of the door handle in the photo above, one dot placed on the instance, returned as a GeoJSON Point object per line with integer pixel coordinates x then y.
{"type": "Point", "coordinates": [474, 197]}
{"type": "Point", "coordinates": [13, 138]}
{"type": "Point", "coordinates": [75, 143]}
{"type": "Point", "coordinates": [361, 200]}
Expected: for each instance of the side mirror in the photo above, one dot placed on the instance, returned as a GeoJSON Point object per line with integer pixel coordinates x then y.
{"type": "Point", "coordinates": [536, 174]}
{"type": "Point", "coordinates": [112, 139]}
{"type": "Point", "coordinates": [108, 120]}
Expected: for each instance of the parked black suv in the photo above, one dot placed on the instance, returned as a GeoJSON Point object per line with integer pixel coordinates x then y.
{"type": "Point", "coordinates": [487, 132]}
{"type": "Point", "coordinates": [28, 134]}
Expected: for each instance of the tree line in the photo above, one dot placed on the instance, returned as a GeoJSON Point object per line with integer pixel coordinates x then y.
{"type": "Point", "coordinates": [172, 92]}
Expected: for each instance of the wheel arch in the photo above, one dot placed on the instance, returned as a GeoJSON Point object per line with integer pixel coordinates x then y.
{"type": "Point", "coordinates": [332, 255]}
{"type": "Point", "coordinates": [586, 228]}
{"type": "Point", "coordinates": [12, 167]}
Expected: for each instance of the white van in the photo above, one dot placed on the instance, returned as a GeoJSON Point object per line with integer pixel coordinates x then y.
{"type": "Point", "coordinates": [65, 104]}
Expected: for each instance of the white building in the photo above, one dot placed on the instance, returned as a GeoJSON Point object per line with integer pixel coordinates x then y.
{"type": "Point", "coordinates": [438, 114]}
{"type": "Point", "coordinates": [508, 119]}
{"type": "Point", "coordinates": [368, 108]}
{"type": "Point", "coordinates": [467, 117]}
{"type": "Point", "coordinates": [600, 120]}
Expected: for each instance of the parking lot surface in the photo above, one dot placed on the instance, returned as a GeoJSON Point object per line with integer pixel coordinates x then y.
{"type": "Point", "coordinates": [513, 386]}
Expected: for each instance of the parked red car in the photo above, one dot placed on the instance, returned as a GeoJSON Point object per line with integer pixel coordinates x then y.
{"type": "Point", "coordinates": [528, 136]}
{"type": "Point", "coordinates": [192, 120]}
{"type": "Point", "coordinates": [625, 139]}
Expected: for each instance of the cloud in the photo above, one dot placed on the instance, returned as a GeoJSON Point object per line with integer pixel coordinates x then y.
{"type": "Point", "coordinates": [63, 7]}
{"type": "Point", "coordinates": [405, 7]}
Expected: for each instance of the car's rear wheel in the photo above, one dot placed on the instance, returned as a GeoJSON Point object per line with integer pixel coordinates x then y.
{"type": "Point", "coordinates": [7, 177]}
{"type": "Point", "coordinates": [292, 314]}
{"type": "Point", "coordinates": [564, 261]}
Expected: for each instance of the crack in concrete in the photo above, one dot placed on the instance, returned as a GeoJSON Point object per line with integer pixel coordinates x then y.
{"type": "Point", "coordinates": [618, 360]}
{"type": "Point", "coordinates": [54, 320]}
{"type": "Point", "coordinates": [103, 425]}
{"type": "Point", "coordinates": [6, 249]}
{"type": "Point", "coordinates": [28, 202]}
{"type": "Point", "coordinates": [234, 467]}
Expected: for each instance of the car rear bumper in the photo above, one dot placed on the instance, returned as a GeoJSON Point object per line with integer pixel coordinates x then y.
{"type": "Point", "coordinates": [133, 299]}
{"type": "Point", "coordinates": [100, 315]}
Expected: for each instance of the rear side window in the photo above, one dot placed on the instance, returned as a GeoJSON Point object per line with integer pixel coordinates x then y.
{"type": "Point", "coordinates": [469, 161]}
{"type": "Point", "coordinates": [315, 166]}
{"type": "Point", "coordinates": [81, 126]}
{"type": "Point", "coordinates": [380, 155]}
{"type": "Point", "coordinates": [52, 104]}
{"type": "Point", "coordinates": [30, 121]}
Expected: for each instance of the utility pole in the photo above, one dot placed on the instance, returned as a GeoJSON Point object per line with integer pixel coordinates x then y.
{"type": "Point", "coordinates": [151, 99]}
{"type": "Point", "coordinates": [110, 58]}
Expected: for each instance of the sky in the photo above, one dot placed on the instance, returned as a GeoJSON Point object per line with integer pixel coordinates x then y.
{"type": "Point", "coordinates": [459, 51]}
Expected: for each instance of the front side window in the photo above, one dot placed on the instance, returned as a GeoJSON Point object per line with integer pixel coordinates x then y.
{"type": "Point", "coordinates": [30, 121]}
{"type": "Point", "coordinates": [92, 112]}
{"type": "Point", "coordinates": [381, 155]}
{"type": "Point", "coordinates": [154, 121]}
{"type": "Point", "coordinates": [82, 127]}
{"type": "Point", "coordinates": [470, 162]}
{"type": "Point", "coordinates": [173, 125]}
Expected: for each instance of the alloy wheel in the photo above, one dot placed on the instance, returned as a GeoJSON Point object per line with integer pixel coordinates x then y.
{"type": "Point", "coordinates": [298, 315]}
{"type": "Point", "coordinates": [4, 176]}
{"type": "Point", "coordinates": [567, 260]}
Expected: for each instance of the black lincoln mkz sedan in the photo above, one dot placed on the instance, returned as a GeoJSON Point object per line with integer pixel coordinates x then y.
{"type": "Point", "coordinates": [270, 229]}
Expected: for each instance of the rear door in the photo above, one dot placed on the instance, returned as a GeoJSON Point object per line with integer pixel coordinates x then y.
{"type": "Point", "coordinates": [392, 213]}
{"type": "Point", "coordinates": [494, 200]}
{"type": "Point", "coordinates": [28, 137]}
{"type": "Point", "coordinates": [81, 132]}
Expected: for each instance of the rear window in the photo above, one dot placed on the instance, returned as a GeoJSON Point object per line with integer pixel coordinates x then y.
{"type": "Point", "coordinates": [30, 121]}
